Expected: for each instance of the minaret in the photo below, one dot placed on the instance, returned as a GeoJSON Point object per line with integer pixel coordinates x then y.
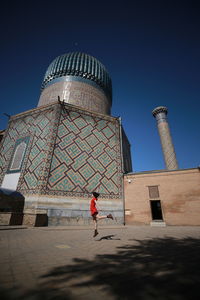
{"type": "Point", "coordinates": [160, 113]}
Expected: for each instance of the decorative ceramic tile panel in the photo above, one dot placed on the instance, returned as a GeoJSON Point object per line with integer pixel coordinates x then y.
{"type": "Point", "coordinates": [17, 128]}
{"type": "Point", "coordinates": [71, 152]}
{"type": "Point", "coordinates": [86, 155]}
{"type": "Point", "coordinates": [35, 175]}
{"type": "Point", "coordinates": [37, 126]}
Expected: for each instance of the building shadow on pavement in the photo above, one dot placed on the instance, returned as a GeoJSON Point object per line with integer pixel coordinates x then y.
{"type": "Point", "coordinates": [161, 269]}
{"type": "Point", "coordinates": [166, 268]}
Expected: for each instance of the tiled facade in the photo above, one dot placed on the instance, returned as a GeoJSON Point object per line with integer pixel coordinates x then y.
{"type": "Point", "coordinates": [86, 155]}
{"type": "Point", "coordinates": [37, 125]}
{"type": "Point", "coordinates": [71, 152]}
{"type": "Point", "coordinates": [79, 93]}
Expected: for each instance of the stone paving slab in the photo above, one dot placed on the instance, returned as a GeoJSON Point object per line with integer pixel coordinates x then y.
{"type": "Point", "coordinates": [122, 262]}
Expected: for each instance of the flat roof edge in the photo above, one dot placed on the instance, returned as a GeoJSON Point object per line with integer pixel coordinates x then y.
{"type": "Point", "coordinates": [161, 171]}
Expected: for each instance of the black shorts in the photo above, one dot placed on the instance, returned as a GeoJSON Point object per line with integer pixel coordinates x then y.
{"type": "Point", "coordinates": [94, 216]}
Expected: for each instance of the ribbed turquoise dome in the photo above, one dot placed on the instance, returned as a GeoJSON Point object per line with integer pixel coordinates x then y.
{"type": "Point", "coordinates": [82, 65]}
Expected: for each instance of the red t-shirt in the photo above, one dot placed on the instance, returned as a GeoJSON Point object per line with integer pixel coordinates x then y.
{"type": "Point", "coordinates": [93, 206]}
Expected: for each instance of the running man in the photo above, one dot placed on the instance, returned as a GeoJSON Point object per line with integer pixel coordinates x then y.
{"type": "Point", "coordinates": [95, 213]}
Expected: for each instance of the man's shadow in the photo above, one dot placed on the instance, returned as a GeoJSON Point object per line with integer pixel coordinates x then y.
{"type": "Point", "coordinates": [108, 237]}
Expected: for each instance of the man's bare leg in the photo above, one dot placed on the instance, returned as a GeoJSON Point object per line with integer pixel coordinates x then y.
{"type": "Point", "coordinates": [95, 228]}
{"type": "Point", "coordinates": [105, 217]}
{"type": "Point", "coordinates": [101, 217]}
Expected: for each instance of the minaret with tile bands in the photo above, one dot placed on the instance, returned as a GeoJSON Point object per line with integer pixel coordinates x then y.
{"type": "Point", "coordinates": [160, 113]}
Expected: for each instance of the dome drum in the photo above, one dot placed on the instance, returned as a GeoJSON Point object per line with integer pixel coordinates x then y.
{"type": "Point", "coordinates": [75, 76]}
{"type": "Point", "coordinates": [76, 91]}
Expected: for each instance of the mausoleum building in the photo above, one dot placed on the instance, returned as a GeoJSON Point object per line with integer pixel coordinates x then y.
{"type": "Point", "coordinates": [57, 154]}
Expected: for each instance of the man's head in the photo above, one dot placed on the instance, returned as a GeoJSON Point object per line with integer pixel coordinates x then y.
{"type": "Point", "coordinates": [96, 195]}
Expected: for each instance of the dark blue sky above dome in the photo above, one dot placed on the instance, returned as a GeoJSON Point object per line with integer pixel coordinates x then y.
{"type": "Point", "coordinates": [151, 50]}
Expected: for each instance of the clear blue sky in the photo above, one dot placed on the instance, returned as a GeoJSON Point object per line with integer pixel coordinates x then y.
{"type": "Point", "coordinates": [151, 50]}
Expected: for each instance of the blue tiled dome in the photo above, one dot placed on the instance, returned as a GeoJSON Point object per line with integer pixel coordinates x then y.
{"type": "Point", "coordinates": [82, 65]}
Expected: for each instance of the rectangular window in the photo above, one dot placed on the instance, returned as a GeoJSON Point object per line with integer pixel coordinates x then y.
{"type": "Point", "coordinates": [153, 191]}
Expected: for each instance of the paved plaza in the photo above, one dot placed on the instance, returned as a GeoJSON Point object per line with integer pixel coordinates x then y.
{"type": "Point", "coordinates": [122, 262]}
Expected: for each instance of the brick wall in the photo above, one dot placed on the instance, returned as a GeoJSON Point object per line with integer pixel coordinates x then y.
{"type": "Point", "coordinates": [179, 196]}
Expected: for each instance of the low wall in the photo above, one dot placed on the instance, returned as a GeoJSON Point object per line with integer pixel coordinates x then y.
{"type": "Point", "coordinates": [64, 211]}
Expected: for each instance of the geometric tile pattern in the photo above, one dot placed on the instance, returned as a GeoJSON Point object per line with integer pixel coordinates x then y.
{"type": "Point", "coordinates": [36, 126]}
{"type": "Point", "coordinates": [18, 128]}
{"type": "Point", "coordinates": [86, 155]}
{"type": "Point", "coordinates": [167, 146]}
{"type": "Point", "coordinates": [18, 155]}
{"type": "Point", "coordinates": [70, 152]}
{"type": "Point", "coordinates": [34, 174]}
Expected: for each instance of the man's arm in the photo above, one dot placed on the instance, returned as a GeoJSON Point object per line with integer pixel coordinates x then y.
{"type": "Point", "coordinates": [98, 206]}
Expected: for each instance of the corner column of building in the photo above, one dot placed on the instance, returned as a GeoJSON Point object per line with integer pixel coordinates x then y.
{"type": "Point", "coordinates": [160, 113]}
